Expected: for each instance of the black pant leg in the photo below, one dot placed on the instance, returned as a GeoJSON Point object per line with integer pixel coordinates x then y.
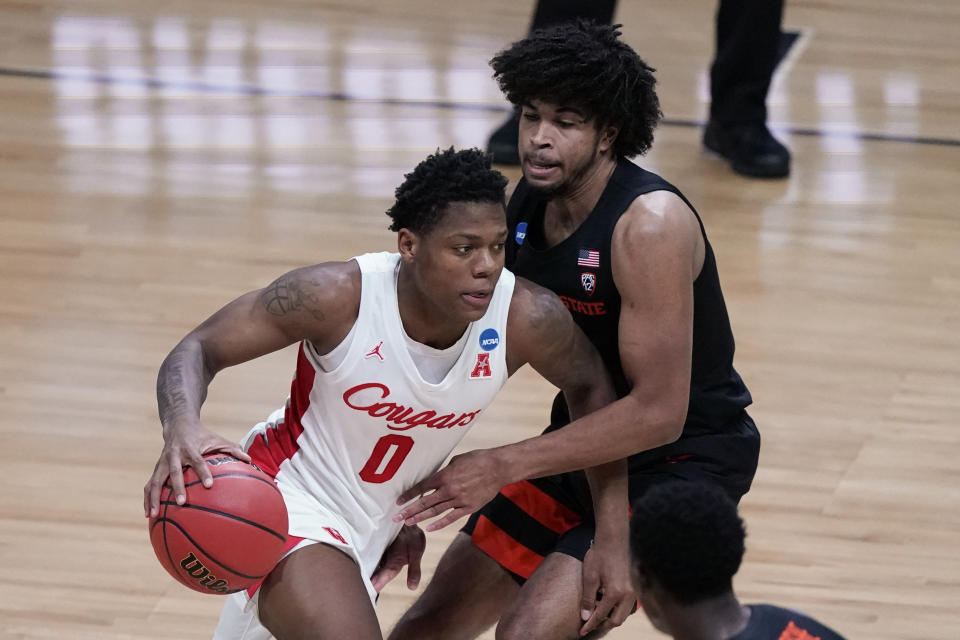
{"type": "Point", "coordinates": [748, 35]}
{"type": "Point", "coordinates": [549, 12]}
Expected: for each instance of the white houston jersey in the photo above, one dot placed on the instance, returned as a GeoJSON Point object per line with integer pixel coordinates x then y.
{"type": "Point", "coordinates": [357, 436]}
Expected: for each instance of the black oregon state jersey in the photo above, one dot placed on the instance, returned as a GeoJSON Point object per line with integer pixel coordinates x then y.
{"type": "Point", "coordinates": [578, 270]}
{"type": "Point", "coordinates": [768, 622]}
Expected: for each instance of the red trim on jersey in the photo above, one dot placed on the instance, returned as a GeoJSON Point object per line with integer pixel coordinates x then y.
{"type": "Point", "coordinates": [509, 553]}
{"type": "Point", "coordinates": [292, 541]}
{"type": "Point", "coordinates": [541, 507]}
{"type": "Point", "coordinates": [271, 448]}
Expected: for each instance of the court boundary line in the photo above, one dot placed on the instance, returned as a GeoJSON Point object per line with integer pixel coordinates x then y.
{"type": "Point", "coordinates": [203, 87]}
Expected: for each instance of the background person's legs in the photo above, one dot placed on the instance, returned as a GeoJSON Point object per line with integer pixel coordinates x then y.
{"type": "Point", "coordinates": [747, 42]}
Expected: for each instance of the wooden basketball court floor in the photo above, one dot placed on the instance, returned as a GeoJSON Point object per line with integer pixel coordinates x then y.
{"type": "Point", "coordinates": [158, 159]}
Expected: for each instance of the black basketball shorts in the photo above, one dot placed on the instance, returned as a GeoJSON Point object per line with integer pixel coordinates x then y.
{"type": "Point", "coordinates": [531, 519]}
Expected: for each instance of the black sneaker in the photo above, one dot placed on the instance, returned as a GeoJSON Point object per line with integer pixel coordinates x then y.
{"type": "Point", "coordinates": [750, 148]}
{"type": "Point", "coordinates": [503, 142]}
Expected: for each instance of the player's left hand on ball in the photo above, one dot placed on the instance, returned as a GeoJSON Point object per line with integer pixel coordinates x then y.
{"type": "Point", "coordinates": [470, 481]}
{"type": "Point", "coordinates": [406, 549]}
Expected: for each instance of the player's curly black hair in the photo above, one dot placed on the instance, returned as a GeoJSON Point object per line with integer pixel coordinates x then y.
{"type": "Point", "coordinates": [584, 64]}
{"type": "Point", "coordinates": [688, 537]}
{"type": "Point", "coordinates": [444, 177]}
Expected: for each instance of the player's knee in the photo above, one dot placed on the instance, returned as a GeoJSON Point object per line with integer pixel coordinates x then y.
{"type": "Point", "coordinates": [518, 624]}
{"type": "Point", "coordinates": [512, 632]}
{"type": "Point", "coordinates": [290, 619]}
{"type": "Point", "coordinates": [421, 623]}
{"type": "Point", "coordinates": [406, 627]}
{"type": "Point", "coordinates": [290, 629]}
{"type": "Point", "coordinates": [515, 627]}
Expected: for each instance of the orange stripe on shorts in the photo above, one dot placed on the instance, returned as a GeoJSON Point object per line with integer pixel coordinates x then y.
{"type": "Point", "coordinates": [497, 544]}
{"type": "Point", "coordinates": [541, 507]}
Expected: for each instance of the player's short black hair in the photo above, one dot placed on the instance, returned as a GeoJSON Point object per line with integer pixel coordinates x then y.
{"type": "Point", "coordinates": [586, 65]}
{"type": "Point", "coordinates": [688, 537]}
{"type": "Point", "coordinates": [444, 177]}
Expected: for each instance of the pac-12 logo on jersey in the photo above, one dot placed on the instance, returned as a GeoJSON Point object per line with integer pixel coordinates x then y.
{"type": "Point", "coordinates": [482, 368]}
{"type": "Point", "coordinates": [589, 282]}
{"type": "Point", "coordinates": [521, 233]}
{"type": "Point", "coordinates": [489, 339]}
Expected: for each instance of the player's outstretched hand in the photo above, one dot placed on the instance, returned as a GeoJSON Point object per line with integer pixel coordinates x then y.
{"type": "Point", "coordinates": [185, 446]}
{"type": "Point", "coordinates": [607, 597]}
{"type": "Point", "coordinates": [406, 549]}
{"type": "Point", "coordinates": [470, 481]}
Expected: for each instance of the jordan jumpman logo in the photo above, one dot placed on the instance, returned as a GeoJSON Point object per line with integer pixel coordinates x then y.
{"type": "Point", "coordinates": [375, 351]}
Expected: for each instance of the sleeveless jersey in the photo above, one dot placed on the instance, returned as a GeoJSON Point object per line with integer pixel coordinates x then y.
{"type": "Point", "coordinates": [769, 622]}
{"type": "Point", "coordinates": [579, 271]}
{"type": "Point", "coordinates": [355, 437]}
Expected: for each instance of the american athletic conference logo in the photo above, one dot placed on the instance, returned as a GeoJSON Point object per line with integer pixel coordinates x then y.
{"type": "Point", "coordinates": [489, 340]}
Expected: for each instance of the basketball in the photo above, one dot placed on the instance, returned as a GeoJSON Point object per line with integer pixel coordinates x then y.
{"type": "Point", "coordinates": [225, 538]}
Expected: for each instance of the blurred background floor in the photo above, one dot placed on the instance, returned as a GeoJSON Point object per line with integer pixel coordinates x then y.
{"type": "Point", "coordinates": [159, 159]}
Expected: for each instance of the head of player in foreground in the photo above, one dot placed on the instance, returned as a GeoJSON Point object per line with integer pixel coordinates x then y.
{"type": "Point", "coordinates": [451, 228]}
{"type": "Point", "coordinates": [687, 542]}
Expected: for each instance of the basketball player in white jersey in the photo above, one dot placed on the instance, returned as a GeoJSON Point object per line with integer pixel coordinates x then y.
{"type": "Point", "coordinates": [399, 355]}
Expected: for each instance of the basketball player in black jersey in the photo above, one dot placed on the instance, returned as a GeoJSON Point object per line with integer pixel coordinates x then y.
{"type": "Point", "coordinates": [628, 255]}
{"type": "Point", "coordinates": [686, 541]}
{"type": "Point", "coordinates": [748, 42]}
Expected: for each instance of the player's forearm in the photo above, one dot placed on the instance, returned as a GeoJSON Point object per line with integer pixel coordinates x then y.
{"type": "Point", "coordinates": [616, 431]}
{"type": "Point", "coordinates": [609, 491]}
{"type": "Point", "coordinates": [182, 383]}
{"type": "Point", "coordinates": [586, 399]}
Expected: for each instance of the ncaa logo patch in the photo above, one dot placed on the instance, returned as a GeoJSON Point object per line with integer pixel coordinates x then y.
{"type": "Point", "coordinates": [521, 233]}
{"type": "Point", "coordinates": [589, 282]}
{"type": "Point", "coordinates": [489, 339]}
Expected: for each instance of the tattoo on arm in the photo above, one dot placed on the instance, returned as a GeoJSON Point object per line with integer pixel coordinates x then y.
{"type": "Point", "coordinates": [547, 315]}
{"type": "Point", "coordinates": [563, 342]}
{"type": "Point", "coordinates": [291, 293]}
{"type": "Point", "coordinates": [550, 331]}
{"type": "Point", "coordinates": [174, 382]}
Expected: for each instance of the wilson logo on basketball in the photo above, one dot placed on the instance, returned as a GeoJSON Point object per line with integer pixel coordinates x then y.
{"type": "Point", "coordinates": [400, 417]}
{"type": "Point", "coordinates": [214, 462]}
{"type": "Point", "coordinates": [195, 569]}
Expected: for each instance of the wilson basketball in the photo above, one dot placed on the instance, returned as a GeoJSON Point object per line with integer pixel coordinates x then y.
{"type": "Point", "coordinates": [225, 538]}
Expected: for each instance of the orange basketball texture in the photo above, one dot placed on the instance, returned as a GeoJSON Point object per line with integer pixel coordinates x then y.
{"type": "Point", "coordinates": [225, 538]}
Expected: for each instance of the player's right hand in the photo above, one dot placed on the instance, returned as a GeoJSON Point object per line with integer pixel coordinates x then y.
{"type": "Point", "coordinates": [185, 446]}
{"type": "Point", "coordinates": [469, 481]}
